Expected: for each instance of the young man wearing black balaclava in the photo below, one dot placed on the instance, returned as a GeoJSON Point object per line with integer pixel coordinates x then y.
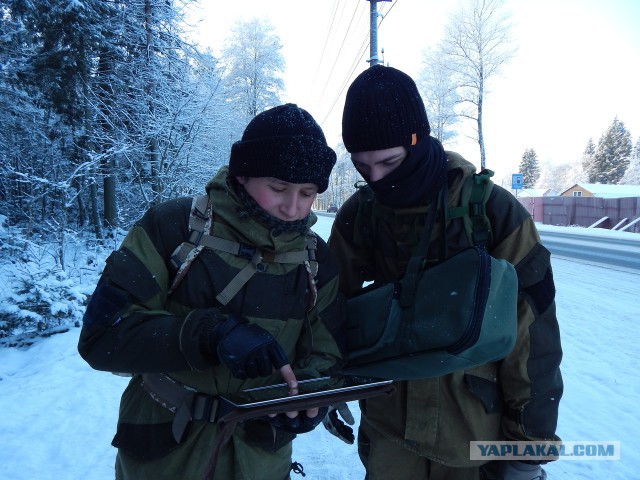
{"type": "Point", "coordinates": [424, 430]}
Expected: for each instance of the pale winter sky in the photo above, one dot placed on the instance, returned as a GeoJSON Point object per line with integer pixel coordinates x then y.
{"type": "Point", "coordinates": [575, 70]}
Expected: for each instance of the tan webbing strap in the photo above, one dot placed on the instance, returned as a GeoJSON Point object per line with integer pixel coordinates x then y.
{"type": "Point", "coordinates": [299, 256]}
{"type": "Point", "coordinates": [304, 257]}
{"type": "Point", "coordinates": [240, 279]}
{"type": "Point", "coordinates": [312, 246]}
{"type": "Point", "coordinates": [176, 398]}
{"type": "Point", "coordinates": [200, 220]}
{"type": "Point", "coordinates": [313, 287]}
{"type": "Point", "coordinates": [311, 264]}
{"type": "Point", "coordinates": [245, 251]}
{"type": "Point", "coordinates": [192, 253]}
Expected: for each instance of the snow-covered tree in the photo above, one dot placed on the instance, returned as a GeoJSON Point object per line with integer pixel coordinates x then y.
{"type": "Point", "coordinates": [612, 155]}
{"type": "Point", "coordinates": [560, 177]}
{"type": "Point", "coordinates": [529, 168]}
{"type": "Point", "coordinates": [254, 60]}
{"type": "Point", "coordinates": [476, 44]}
{"type": "Point", "coordinates": [588, 155]}
{"type": "Point", "coordinates": [632, 175]}
{"type": "Point", "coordinates": [53, 46]}
{"type": "Point", "coordinates": [440, 97]}
{"type": "Point", "coordinates": [342, 179]}
{"type": "Point", "coordinates": [108, 110]}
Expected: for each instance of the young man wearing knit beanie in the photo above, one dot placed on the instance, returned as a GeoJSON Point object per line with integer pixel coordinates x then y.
{"type": "Point", "coordinates": [423, 431]}
{"type": "Point", "coordinates": [255, 301]}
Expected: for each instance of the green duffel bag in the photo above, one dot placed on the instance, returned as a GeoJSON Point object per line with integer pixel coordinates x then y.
{"type": "Point", "coordinates": [454, 316]}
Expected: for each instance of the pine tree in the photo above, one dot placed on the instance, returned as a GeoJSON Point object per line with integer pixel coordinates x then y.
{"type": "Point", "coordinates": [529, 168]}
{"type": "Point", "coordinates": [632, 175]}
{"type": "Point", "coordinates": [588, 159]}
{"type": "Point", "coordinates": [613, 155]}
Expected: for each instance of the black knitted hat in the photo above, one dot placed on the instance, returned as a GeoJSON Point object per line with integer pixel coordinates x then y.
{"type": "Point", "coordinates": [286, 143]}
{"type": "Point", "coordinates": [383, 109]}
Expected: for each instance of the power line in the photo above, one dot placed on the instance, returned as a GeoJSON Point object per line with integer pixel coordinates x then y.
{"type": "Point", "coordinates": [347, 79]}
{"type": "Point", "coordinates": [355, 64]}
{"type": "Point", "coordinates": [326, 41]}
{"type": "Point", "coordinates": [335, 61]}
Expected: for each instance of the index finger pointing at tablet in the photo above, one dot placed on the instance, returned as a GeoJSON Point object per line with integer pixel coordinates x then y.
{"type": "Point", "coordinates": [290, 378]}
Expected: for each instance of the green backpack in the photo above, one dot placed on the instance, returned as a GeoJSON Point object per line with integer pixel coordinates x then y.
{"type": "Point", "coordinates": [456, 315]}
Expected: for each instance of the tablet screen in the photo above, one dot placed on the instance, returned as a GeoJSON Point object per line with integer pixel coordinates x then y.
{"type": "Point", "coordinates": [279, 393]}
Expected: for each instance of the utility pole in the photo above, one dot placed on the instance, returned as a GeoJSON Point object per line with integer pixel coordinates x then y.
{"type": "Point", "coordinates": [373, 33]}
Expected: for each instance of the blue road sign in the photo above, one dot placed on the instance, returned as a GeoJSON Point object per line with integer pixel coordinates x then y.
{"type": "Point", "coordinates": [516, 181]}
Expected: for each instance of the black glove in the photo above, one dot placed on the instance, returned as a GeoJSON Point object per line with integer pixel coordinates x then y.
{"type": "Point", "coordinates": [247, 349]}
{"type": "Point", "coordinates": [336, 427]}
{"type": "Point", "coordinates": [299, 424]}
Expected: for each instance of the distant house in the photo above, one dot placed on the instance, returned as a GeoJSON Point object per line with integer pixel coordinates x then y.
{"type": "Point", "coordinates": [602, 191]}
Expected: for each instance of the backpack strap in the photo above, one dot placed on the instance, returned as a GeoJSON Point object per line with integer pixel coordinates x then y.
{"type": "Point", "coordinates": [364, 228]}
{"type": "Point", "coordinates": [311, 265]}
{"type": "Point", "coordinates": [473, 208]}
{"type": "Point", "coordinates": [256, 264]}
{"type": "Point", "coordinates": [200, 222]}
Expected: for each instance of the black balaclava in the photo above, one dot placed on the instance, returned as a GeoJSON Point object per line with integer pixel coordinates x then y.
{"type": "Point", "coordinates": [418, 178]}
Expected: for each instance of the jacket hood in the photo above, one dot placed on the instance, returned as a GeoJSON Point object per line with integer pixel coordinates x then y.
{"type": "Point", "coordinates": [456, 161]}
{"type": "Point", "coordinates": [239, 226]}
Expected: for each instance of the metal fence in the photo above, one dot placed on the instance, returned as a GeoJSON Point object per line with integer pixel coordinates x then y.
{"type": "Point", "coordinates": [611, 213]}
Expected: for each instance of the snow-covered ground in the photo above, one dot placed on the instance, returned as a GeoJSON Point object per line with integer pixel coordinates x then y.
{"type": "Point", "coordinates": [57, 416]}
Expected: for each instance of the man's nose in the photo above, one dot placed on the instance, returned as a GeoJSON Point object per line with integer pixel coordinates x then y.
{"type": "Point", "coordinates": [375, 174]}
{"type": "Point", "coordinates": [290, 206]}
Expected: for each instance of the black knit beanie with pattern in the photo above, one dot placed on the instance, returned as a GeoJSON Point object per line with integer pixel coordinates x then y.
{"type": "Point", "coordinates": [286, 143]}
{"type": "Point", "coordinates": [383, 109]}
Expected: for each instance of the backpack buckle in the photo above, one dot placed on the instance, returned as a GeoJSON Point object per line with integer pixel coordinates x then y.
{"type": "Point", "coordinates": [194, 237]}
{"type": "Point", "coordinates": [204, 407]}
{"type": "Point", "coordinates": [246, 251]}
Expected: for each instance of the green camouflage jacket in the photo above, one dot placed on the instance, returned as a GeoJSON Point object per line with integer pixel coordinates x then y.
{"type": "Point", "coordinates": [151, 334]}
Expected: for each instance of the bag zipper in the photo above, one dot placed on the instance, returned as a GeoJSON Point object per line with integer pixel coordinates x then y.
{"type": "Point", "coordinates": [472, 333]}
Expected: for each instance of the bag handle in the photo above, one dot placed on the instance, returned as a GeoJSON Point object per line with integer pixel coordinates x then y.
{"type": "Point", "coordinates": [416, 263]}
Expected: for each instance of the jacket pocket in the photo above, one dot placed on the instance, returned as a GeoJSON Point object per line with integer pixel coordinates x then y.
{"type": "Point", "coordinates": [145, 442]}
{"type": "Point", "coordinates": [144, 427]}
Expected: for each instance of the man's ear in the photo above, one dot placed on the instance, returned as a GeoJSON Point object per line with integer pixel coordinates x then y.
{"type": "Point", "coordinates": [242, 180]}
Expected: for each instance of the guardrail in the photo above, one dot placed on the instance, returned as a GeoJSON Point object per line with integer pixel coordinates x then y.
{"type": "Point", "coordinates": [594, 245]}
{"type": "Point", "coordinates": [603, 246]}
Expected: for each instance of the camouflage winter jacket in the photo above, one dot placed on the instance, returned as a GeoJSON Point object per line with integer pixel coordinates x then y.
{"type": "Point", "coordinates": [516, 398]}
{"type": "Point", "coordinates": [153, 333]}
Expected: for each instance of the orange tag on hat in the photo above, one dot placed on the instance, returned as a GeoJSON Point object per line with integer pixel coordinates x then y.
{"type": "Point", "coordinates": [414, 139]}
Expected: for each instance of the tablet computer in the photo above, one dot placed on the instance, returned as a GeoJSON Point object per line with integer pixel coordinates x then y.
{"type": "Point", "coordinates": [316, 387]}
